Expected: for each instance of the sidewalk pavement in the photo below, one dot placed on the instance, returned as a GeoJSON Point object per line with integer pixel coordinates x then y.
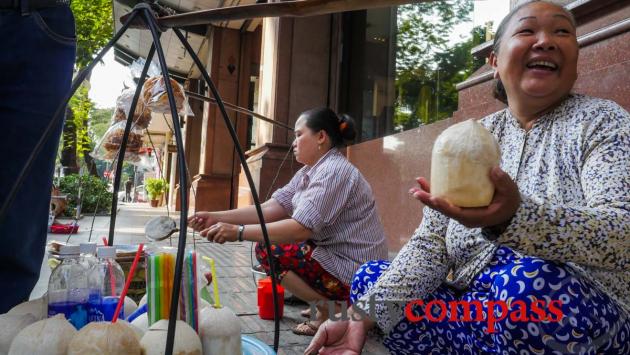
{"type": "Point", "coordinates": [235, 281]}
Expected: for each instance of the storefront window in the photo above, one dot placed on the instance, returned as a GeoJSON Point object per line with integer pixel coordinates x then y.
{"type": "Point", "coordinates": [400, 65]}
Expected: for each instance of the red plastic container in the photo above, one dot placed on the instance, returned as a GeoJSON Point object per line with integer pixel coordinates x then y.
{"type": "Point", "coordinates": [265, 299]}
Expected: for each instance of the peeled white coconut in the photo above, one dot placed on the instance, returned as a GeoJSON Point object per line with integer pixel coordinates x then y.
{"type": "Point", "coordinates": [139, 333]}
{"type": "Point", "coordinates": [49, 336]}
{"type": "Point", "coordinates": [220, 331]}
{"type": "Point", "coordinates": [187, 341]}
{"type": "Point", "coordinates": [141, 322]}
{"type": "Point", "coordinates": [460, 164]}
{"type": "Point", "coordinates": [105, 338]}
{"type": "Point", "coordinates": [37, 307]}
{"type": "Point", "coordinates": [10, 326]}
{"type": "Point", "coordinates": [130, 306]}
{"type": "Point", "coordinates": [203, 304]}
{"type": "Point", "coordinates": [143, 300]}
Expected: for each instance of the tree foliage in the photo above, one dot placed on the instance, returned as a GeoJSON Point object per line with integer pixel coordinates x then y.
{"type": "Point", "coordinates": [90, 191]}
{"type": "Point", "coordinates": [427, 68]}
{"type": "Point", "coordinates": [81, 106]}
{"type": "Point", "coordinates": [94, 28]}
{"type": "Point", "coordinates": [423, 30]}
{"type": "Point", "coordinates": [100, 119]}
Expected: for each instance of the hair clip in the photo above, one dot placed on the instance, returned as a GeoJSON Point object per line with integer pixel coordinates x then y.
{"type": "Point", "coordinates": [343, 126]}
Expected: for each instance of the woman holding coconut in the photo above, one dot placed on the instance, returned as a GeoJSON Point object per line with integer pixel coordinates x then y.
{"type": "Point", "coordinates": [548, 260]}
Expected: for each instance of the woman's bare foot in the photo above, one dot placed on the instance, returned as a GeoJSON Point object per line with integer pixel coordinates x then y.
{"type": "Point", "coordinates": [306, 313]}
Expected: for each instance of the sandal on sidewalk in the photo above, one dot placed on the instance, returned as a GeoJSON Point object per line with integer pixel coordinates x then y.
{"type": "Point", "coordinates": [306, 313]}
{"type": "Point", "coordinates": [305, 328]}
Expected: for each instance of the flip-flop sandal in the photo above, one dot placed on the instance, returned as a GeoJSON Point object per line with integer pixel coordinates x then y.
{"type": "Point", "coordinates": [305, 328]}
{"type": "Point", "coordinates": [306, 313]}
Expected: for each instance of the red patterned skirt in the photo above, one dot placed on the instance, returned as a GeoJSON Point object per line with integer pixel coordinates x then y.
{"type": "Point", "coordinates": [297, 258]}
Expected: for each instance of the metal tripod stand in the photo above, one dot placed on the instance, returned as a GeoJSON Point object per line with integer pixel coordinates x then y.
{"type": "Point", "coordinates": [143, 12]}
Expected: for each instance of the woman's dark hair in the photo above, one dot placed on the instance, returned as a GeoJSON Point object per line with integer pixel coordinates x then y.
{"type": "Point", "coordinates": [499, 90]}
{"type": "Point", "coordinates": [340, 128]}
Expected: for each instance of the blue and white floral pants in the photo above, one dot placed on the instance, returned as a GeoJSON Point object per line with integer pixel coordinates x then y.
{"type": "Point", "coordinates": [589, 321]}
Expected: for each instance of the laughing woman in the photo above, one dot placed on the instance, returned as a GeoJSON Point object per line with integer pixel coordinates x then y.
{"type": "Point", "coordinates": [322, 225]}
{"type": "Point", "coordinates": [552, 250]}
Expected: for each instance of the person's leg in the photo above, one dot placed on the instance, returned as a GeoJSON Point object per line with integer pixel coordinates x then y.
{"type": "Point", "coordinates": [579, 318]}
{"type": "Point", "coordinates": [37, 58]}
{"type": "Point", "coordinates": [416, 333]}
{"type": "Point", "coordinates": [306, 279]}
{"type": "Point", "coordinates": [322, 305]}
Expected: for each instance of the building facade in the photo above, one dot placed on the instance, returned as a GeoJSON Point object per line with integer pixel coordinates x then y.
{"type": "Point", "coordinates": [280, 67]}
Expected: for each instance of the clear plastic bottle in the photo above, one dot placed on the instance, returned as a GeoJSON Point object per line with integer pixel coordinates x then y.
{"type": "Point", "coordinates": [106, 280]}
{"type": "Point", "coordinates": [88, 255]}
{"type": "Point", "coordinates": [67, 288]}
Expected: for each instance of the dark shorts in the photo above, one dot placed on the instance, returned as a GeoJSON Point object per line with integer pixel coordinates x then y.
{"type": "Point", "coordinates": [297, 258]}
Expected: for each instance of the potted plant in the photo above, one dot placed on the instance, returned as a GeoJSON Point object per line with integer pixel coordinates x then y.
{"type": "Point", "coordinates": [155, 189]}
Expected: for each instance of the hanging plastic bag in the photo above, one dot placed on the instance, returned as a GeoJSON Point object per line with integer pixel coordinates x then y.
{"type": "Point", "coordinates": [156, 98]}
{"type": "Point", "coordinates": [142, 114]}
{"type": "Point", "coordinates": [108, 147]}
{"type": "Point", "coordinates": [136, 68]}
{"type": "Point", "coordinates": [148, 161]}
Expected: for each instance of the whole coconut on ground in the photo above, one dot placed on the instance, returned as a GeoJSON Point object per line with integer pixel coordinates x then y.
{"type": "Point", "coordinates": [37, 307]}
{"type": "Point", "coordinates": [49, 336]}
{"type": "Point", "coordinates": [220, 331]}
{"type": "Point", "coordinates": [105, 338]}
{"type": "Point", "coordinates": [10, 326]}
{"type": "Point", "coordinates": [187, 341]}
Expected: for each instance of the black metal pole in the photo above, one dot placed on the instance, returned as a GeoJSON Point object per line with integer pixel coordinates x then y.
{"type": "Point", "coordinates": [192, 95]}
{"type": "Point", "coordinates": [123, 145]}
{"type": "Point", "coordinates": [58, 116]}
{"type": "Point", "coordinates": [250, 180]}
{"type": "Point", "coordinates": [181, 163]}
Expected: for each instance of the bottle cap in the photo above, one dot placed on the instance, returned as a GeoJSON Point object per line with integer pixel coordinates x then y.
{"type": "Point", "coordinates": [106, 252]}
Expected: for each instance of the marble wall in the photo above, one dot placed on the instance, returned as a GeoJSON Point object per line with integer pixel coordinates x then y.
{"type": "Point", "coordinates": [391, 164]}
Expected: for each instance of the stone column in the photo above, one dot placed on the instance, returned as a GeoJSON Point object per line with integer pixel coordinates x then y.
{"type": "Point", "coordinates": [295, 76]}
{"type": "Point", "coordinates": [215, 178]}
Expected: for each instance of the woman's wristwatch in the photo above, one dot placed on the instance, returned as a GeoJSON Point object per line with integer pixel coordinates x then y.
{"type": "Point", "coordinates": [239, 235]}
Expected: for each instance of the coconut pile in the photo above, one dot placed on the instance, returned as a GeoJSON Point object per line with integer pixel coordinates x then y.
{"type": "Point", "coordinates": [26, 330]}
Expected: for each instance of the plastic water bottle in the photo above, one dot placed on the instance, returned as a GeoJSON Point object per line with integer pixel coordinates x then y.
{"type": "Point", "coordinates": [106, 280]}
{"type": "Point", "coordinates": [67, 288]}
{"type": "Point", "coordinates": [88, 254]}
{"type": "Point", "coordinates": [51, 219]}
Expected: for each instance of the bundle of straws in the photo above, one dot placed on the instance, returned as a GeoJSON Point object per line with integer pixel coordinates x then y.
{"type": "Point", "coordinates": [189, 295]}
{"type": "Point", "coordinates": [160, 271]}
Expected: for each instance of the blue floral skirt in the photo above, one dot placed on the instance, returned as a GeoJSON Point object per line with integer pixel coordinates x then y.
{"type": "Point", "coordinates": [548, 309]}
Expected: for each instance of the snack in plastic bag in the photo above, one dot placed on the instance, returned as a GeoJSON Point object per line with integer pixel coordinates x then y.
{"type": "Point", "coordinates": [108, 147]}
{"type": "Point", "coordinates": [142, 114]}
{"type": "Point", "coordinates": [155, 97]}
